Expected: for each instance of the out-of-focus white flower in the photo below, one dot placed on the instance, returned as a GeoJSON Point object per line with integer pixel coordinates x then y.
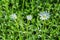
{"type": "Point", "coordinates": [13, 16]}
{"type": "Point", "coordinates": [44, 15]}
{"type": "Point", "coordinates": [29, 17]}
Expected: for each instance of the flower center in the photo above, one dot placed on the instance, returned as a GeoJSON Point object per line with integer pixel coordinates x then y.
{"type": "Point", "coordinates": [44, 16]}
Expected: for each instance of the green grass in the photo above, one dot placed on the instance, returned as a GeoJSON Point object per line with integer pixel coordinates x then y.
{"type": "Point", "coordinates": [23, 29]}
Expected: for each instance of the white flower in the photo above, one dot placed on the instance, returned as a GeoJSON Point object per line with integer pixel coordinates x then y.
{"type": "Point", "coordinates": [13, 16]}
{"type": "Point", "coordinates": [44, 15]}
{"type": "Point", "coordinates": [29, 17]}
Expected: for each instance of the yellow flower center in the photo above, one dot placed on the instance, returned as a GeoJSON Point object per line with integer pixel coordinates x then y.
{"type": "Point", "coordinates": [44, 16]}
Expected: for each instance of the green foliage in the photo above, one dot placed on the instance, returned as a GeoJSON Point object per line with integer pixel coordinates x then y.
{"type": "Point", "coordinates": [35, 29]}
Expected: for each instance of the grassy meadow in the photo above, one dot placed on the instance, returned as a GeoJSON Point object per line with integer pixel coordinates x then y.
{"type": "Point", "coordinates": [29, 19]}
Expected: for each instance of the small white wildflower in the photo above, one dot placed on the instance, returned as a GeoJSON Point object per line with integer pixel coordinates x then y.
{"type": "Point", "coordinates": [13, 16]}
{"type": "Point", "coordinates": [29, 17]}
{"type": "Point", "coordinates": [44, 15]}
